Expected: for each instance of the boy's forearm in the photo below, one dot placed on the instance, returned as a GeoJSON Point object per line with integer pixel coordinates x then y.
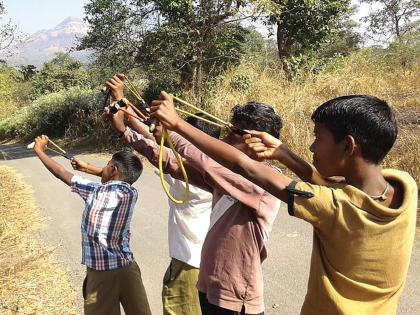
{"type": "Point", "coordinates": [118, 122]}
{"type": "Point", "coordinates": [150, 150]}
{"type": "Point", "coordinates": [56, 169]}
{"type": "Point", "coordinates": [223, 153]}
{"type": "Point", "coordinates": [294, 163]}
{"type": "Point", "coordinates": [135, 124]}
{"type": "Point", "coordinates": [139, 126]}
{"type": "Point", "coordinates": [228, 156]}
{"type": "Point", "coordinates": [303, 169]}
{"type": "Point", "coordinates": [93, 170]}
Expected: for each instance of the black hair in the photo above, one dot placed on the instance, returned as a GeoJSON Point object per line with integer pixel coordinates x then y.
{"type": "Point", "coordinates": [368, 119]}
{"type": "Point", "coordinates": [257, 116]}
{"type": "Point", "coordinates": [128, 164]}
{"type": "Point", "coordinates": [209, 129]}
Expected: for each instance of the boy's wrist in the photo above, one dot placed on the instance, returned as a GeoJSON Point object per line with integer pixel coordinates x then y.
{"type": "Point", "coordinates": [280, 152]}
{"type": "Point", "coordinates": [178, 125]}
{"type": "Point", "coordinates": [39, 150]}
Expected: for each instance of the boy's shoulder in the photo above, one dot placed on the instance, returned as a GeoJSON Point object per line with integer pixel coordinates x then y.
{"type": "Point", "coordinates": [329, 200]}
{"type": "Point", "coordinates": [400, 176]}
{"type": "Point", "coordinates": [118, 185]}
{"type": "Point", "coordinates": [347, 191]}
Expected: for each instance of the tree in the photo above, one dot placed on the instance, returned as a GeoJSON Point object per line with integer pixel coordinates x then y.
{"type": "Point", "coordinates": [60, 73]}
{"type": "Point", "coordinates": [303, 25]}
{"type": "Point", "coordinates": [28, 71]}
{"type": "Point", "coordinates": [116, 31]}
{"type": "Point", "coordinates": [392, 17]}
{"type": "Point", "coordinates": [7, 31]}
{"type": "Point", "coordinates": [186, 39]}
{"type": "Point", "coordinates": [346, 38]}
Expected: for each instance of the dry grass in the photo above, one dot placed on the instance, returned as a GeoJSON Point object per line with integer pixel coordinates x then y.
{"type": "Point", "coordinates": [295, 101]}
{"type": "Point", "coordinates": [31, 279]}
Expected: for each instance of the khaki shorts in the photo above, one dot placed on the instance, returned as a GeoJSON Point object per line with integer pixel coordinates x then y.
{"type": "Point", "coordinates": [179, 294]}
{"type": "Point", "coordinates": [103, 292]}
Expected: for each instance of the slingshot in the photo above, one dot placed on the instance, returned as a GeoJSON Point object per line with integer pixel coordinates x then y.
{"type": "Point", "coordinates": [216, 120]}
{"type": "Point", "coordinates": [58, 149]}
{"type": "Point", "coordinates": [165, 136]}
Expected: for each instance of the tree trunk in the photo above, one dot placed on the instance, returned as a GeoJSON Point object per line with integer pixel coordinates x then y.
{"type": "Point", "coordinates": [199, 75]}
{"type": "Point", "coordinates": [284, 51]}
{"type": "Point", "coordinates": [188, 74]}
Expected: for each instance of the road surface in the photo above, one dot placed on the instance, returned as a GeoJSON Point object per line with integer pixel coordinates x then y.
{"type": "Point", "coordinates": [289, 248]}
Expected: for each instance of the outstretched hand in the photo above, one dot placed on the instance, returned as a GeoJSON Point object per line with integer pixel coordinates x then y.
{"type": "Point", "coordinates": [41, 143]}
{"type": "Point", "coordinates": [79, 165]}
{"type": "Point", "coordinates": [164, 111]}
{"type": "Point", "coordinates": [116, 85]}
{"type": "Point", "coordinates": [261, 144]}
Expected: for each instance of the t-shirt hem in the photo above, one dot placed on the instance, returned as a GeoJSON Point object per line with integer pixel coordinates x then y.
{"type": "Point", "coordinates": [233, 306]}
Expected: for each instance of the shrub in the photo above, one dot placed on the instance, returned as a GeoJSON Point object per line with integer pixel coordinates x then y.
{"type": "Point", "coordinates": [72, 113]}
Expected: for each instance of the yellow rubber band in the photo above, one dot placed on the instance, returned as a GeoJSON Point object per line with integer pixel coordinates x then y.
{"type": "Point", "coordinates": [185, 198]}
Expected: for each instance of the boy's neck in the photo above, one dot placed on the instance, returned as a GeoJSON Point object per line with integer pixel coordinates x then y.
{"type": "Point", "coordinates": [367, 177]}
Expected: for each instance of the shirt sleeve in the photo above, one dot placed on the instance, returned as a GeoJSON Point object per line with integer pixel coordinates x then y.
{"type": "Point", "coordinates": [220, 177]}
{"type": "Point", "coordinates": [82, 186]}
{"type": "Point", "coordinates": [315, 204]}
{"type": "Point", "coordinates": [150, 150]}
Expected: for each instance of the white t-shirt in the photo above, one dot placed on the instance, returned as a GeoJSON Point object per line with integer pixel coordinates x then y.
{"type": "Point", "coordinates": [188, 223]}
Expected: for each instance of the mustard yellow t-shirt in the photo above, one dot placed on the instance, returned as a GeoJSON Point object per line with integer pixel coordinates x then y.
{"type": "Point", "coordinates": [361, 249]}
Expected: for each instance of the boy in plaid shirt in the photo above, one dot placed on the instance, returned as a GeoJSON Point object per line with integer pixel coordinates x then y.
{"type": "Point", "coordinates": [113, 276]}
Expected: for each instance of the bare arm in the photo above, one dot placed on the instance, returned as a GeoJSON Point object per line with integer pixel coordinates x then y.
{"type": "Point", "coordinates": [265, 146]}
{"type": "Point", "coordinates": [83, 166]}
{"type": "Point", "coordinates": [116, 85]}
{"type": "Point", "coordinates": [56, 169]}
{"type": "Point", "coordinates": [303, 169]}
{"type": "Point", "coordinates": [262, 175]}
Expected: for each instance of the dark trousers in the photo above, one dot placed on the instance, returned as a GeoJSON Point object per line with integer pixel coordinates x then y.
{"type": "Point", "coordinates": [211, 309]}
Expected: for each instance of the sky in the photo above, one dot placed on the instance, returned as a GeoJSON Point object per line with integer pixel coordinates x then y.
{"type": "Point", "coordinates": [34, 15]}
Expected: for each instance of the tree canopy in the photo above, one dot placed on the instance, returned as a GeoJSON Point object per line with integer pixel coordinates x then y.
{"type": "Point", "coordinates": [392, 18]}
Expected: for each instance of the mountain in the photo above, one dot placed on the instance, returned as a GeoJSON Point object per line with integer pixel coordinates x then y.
{"type": "Point", "coordinates": [42, 45]}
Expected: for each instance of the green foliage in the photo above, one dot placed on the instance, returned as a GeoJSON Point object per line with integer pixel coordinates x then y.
{"type": "Point", "coordinates": [59, 74]}
{"type": "Point", "coordinates": [391, 18]}
{"type": "Point", "coordinates": [229, 46]}
{"type": "Point", "coordinates": [73, 113]}
{"type": "Point", "coordinates": [116, 30]}
{"type": "Point", "coordinates": [178, 43]}
{"type": "Point", "coordinates": [28, 71]}
{"type": "Point", "coordinates": [241, 82]}
{"type": "Point", "coordinates": [304, 25]}
{"type": "Point", "coordinates": [170, 67]}
{"type": "Point", "coordinates": [14, 92]}
{"type": "Point", "coordinates": [405, 50]}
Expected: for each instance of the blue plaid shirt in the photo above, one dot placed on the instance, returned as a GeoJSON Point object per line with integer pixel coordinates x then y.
{"type": "Point", "coordinates": [106, 222]}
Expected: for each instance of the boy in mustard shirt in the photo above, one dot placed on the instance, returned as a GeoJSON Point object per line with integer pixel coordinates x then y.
{"type": "Point", "coordinates": [363, 226]}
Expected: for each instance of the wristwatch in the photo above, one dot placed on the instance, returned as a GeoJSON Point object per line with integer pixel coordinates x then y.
{"type": "Point", "coordinates": [123, 102]}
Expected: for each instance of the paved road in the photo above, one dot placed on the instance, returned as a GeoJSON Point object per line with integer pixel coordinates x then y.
{"type": "Point", "coordinates": [289, 249]}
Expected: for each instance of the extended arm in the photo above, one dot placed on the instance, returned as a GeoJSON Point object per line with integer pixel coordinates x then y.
{"type": "Point", "coordinates": [83, 166]}
{"type": "Point", "coordinates": [116, 85]}
{"type": "Point", "coordinates": [56, 169]}
{"type": "Point", "coordinates": [262, 175]}
{"type": "Point", "coordinates": [265, 146]}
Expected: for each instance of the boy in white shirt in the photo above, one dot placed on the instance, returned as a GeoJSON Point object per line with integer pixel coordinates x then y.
{"type": "Point", "coordinates": [188, 223]}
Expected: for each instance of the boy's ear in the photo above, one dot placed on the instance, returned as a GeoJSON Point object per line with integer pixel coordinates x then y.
{"type": "Point", "coordinates": [350, 145]}
{"type": "Point", "coordinates": [114, 172]}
